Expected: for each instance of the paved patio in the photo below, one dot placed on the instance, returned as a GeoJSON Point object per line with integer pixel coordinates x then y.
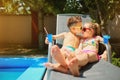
{"type": "Point", "coordinates": [16, 51]}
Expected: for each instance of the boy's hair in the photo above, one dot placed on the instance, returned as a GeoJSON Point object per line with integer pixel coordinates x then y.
{"type": "Point", "coordinates": [73, 20]}
{"type": "Point", "coordinates": [95, 27]}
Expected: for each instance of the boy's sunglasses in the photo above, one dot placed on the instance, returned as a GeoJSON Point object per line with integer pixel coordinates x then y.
{"type": "Point", "coordinates": [84, 29]}
{"type": "Point", "coordinates": [79, 28]}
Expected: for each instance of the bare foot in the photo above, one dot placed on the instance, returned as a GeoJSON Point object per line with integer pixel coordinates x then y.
{"type": "Point", "coordinates": [56, 67]}
{"type": "Point", "coordinates": [58, 56]}
{"type": "Point", "coordinates": [74, 68]}
{"type": "Point", "coordinates": [49, 65]}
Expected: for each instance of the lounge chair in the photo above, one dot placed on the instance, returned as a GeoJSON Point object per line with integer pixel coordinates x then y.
{"type": "Point", "coordinates": [101, 70]}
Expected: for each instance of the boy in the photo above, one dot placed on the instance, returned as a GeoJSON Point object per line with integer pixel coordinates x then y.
{"type": "Point", "coordinates": [70, 43]}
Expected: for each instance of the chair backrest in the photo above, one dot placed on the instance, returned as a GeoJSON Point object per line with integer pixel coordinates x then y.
{"type": "Point", "coordinates": [62, 23]}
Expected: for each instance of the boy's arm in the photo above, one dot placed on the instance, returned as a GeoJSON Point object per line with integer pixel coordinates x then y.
{"type": "Point", "coordinates": [58, 36]}
{"type": "Point", "coordinates": [61, 35]}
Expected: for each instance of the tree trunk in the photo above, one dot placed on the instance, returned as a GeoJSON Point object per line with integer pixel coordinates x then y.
{"type": "Point", "coordinates": [100, 18]}
{"type": "Point", "coordinates": [35, 30]}
{"type": "Point", "coordinates": [99, 13]}
{"type": "Point", "coordinates": [41, 30]}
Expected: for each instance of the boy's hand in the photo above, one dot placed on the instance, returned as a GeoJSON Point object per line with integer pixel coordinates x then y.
{"type": "Point", "coordinates": [46, 40]}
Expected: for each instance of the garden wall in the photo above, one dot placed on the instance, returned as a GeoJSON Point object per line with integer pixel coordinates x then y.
{"type": "Point", "coordinates": [113, 29]}
{"type": "Point", "coordinates": [50, 22]}
{"type": "Point", "coordinates": [18, 31]}
{"type": "Point", "coordinates": [15, 30]}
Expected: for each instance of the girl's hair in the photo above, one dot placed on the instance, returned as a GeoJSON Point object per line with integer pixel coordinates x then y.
{"type": "Point", "coordinates": [73, 20]}
{"type": "Point", "coordinates": [95, 27]}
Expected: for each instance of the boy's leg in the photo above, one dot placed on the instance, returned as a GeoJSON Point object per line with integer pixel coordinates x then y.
{"type": "Point", "coordinates": [56, 67]}
{"type": "Point", "coordinates": [58, 56]}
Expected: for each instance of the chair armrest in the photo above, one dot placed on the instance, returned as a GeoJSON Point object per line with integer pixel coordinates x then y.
{"type": "Point", "coordinates": [108, 49]}
{"type": "Point", "coordinates": [49, 59]}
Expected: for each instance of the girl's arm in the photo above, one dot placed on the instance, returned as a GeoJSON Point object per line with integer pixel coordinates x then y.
{"type": "Point", "coordinates": [79, 49]}
{"type": "Point", "coordinates": [99, 39]}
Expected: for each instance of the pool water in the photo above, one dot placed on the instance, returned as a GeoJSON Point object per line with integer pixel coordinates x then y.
{"type": "Point", "coordinates": [11, 73]}
{"type": "Point", "coordinates": [12, 68]}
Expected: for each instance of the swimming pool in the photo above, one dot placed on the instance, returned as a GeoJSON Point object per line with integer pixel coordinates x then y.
{"type": "Point", "coordinates": [22, 68]}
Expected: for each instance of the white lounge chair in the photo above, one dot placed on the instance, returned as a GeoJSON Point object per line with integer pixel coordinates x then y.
{"type": "Point", "coordinates": [101, 70]}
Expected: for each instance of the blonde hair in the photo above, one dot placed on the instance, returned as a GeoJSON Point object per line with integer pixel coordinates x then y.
{"type": "Point", "coordinates": [95, 27]}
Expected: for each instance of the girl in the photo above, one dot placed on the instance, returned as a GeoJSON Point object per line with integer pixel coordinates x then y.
{"type": "Point", "coordinates": [88, 48]}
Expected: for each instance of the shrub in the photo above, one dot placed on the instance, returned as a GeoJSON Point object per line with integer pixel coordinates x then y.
{"type": "Point", "coordinates": [115, 61]}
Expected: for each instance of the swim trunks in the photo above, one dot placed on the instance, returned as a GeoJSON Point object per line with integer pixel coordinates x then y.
{"type": "Point", "coordinates": [70, 48]}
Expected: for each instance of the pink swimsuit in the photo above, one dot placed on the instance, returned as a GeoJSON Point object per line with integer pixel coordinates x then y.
{"type": "Point", "coordinates": [87, 51]}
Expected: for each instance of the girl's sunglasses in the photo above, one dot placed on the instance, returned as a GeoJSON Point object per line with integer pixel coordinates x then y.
{"type": "Point", "coordinates": [84, 29]}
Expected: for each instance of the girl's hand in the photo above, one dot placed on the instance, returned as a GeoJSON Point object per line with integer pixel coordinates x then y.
{"type": "Point", "coordinates": [71, 55]}
{"type": "Point", "coordinates": [77, 51]}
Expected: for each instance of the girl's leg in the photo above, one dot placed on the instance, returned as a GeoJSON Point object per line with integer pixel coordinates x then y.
{"type": "Point", "coordinates": [58, 56]}
{"type": "Point", "coordinates": [82, 58]}
{"type": "Point", "coordinates": [93, 57]}
{"type": "Point", "coordinates": [74, 68]}
{"type": "Point", "coordinates": [56, 67]}
{"type": "Point", "coordinates": [77, 62]}
{"type": "Point", "coordinates": [104, 55]}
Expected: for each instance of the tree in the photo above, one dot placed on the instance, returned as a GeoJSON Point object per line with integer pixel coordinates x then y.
{"type": "Point", "coordinates": [14, 7]}
{"type": "Point", "coordinates": [103, 10]}
{"type": "Point", "coordinates": [99, 10]}
{"type": "Point", "coordinates": [37, 8]}
{"type": "Point", "coordinates": [42, 8]}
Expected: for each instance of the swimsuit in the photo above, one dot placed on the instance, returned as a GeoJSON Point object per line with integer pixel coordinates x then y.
{"type": "Point", "coordinates": [87, 51]}
{"type": "Point", "coordinates": [70, 48]}
{"type": "Point", "coordinates": [67, 50]}
{"type": "Point", "coordinates": [87, 43]}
